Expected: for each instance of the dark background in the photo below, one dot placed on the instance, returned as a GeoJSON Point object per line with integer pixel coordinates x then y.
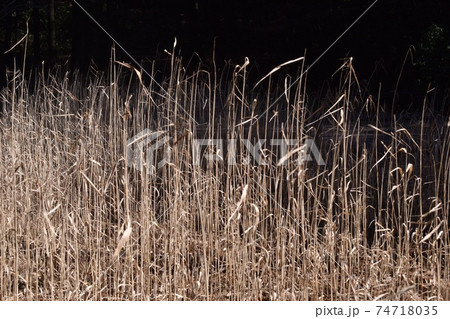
{"type": "Point", "coordinates": [268, 32]}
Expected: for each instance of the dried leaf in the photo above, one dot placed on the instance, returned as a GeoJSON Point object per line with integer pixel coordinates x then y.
{"type": "Point", "coordinates": [126, 235]}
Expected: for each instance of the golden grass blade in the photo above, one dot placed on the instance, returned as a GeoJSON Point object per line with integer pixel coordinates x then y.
{"type": "Point", "coordinates": [431, 233]}
{"type": "Point", "coordinates": [129, 66]}
{"type": "Point", "coordinates": [276, 69]}
{"type": "Point", "coordinates": [239, 205]}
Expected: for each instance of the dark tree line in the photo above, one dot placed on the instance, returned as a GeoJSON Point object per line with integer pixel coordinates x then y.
{"type": "Point", "coordinates": [269, 32]}
{"type": "Point", "coordinates": [36, 17]}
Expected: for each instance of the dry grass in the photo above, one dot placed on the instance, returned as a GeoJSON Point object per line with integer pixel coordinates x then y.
{"type": "Point", "coordinates": [78, 224]}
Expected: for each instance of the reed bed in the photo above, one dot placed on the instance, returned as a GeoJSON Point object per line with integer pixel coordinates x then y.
{"type": "Point", "coordinates": [78, 223]}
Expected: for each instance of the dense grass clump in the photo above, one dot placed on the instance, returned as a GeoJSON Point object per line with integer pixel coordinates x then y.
{"type": "Point", "coordinates": [77, 223]}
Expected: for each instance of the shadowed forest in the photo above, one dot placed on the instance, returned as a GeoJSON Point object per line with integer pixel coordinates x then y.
{"type": "Point", "coordinates": [413, 35]}
{"type": "Point", "coordinates": [336, 187]}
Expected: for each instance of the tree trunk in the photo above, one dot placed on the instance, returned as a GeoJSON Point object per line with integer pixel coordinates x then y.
{"type": "Point", "coordinates": [79, 36]}
{"type": "Point", "coordinates": [4, 58]}
{"type": "Point", "coordinates": [51, 33]}
{"type": "Point", "coordinates": [36, 33]}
